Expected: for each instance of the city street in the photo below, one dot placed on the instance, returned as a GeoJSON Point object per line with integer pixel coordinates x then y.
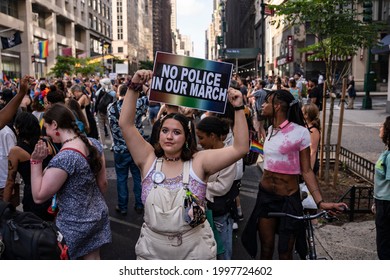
{"type": "Point", "coordinates": [360, 135]}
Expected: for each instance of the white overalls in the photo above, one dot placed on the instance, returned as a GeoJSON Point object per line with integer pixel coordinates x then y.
{"type": "Point", "coordinates": [165, 235]}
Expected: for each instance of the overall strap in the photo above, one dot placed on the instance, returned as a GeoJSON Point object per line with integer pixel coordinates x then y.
{"type": "Point", "coordinates": [186, 172]}
{"type": "Point", "coordinates": [159, 164]}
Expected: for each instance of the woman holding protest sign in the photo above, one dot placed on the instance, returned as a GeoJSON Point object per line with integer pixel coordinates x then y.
{"type": "Point", "coordinates": [174, 179]}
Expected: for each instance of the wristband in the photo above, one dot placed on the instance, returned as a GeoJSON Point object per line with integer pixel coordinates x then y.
{"type": "Point", "coordinates": [238, 108]}
{"type": "Point", "coordinates": [35, 161]}
{"type": "Point", "coordinates": [137, 87]}
{"type": "Point", "coordinates": [319, 203]}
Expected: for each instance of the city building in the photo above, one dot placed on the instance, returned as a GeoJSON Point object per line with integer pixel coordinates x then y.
{"type": "Point", "coordinates": [162, 32]}
{"type": "Point", "coordinates": [48, 28]}
{"type": "Point", "coordinates": [132, 31]}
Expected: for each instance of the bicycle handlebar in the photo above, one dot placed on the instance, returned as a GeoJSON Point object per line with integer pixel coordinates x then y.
{"type": "Point", "coordinates": [305, 217]}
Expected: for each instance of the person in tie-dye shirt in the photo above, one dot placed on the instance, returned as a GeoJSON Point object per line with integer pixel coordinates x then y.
{"type": "Point", "coordinates": [286, 156]}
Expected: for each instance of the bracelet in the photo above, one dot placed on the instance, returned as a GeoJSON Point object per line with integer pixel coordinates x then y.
{"type": "Point", "coordinates": [35, 161]}
{"type": "Point", "coordinates": [319, 203]}
{"type": "Point", "coordinates": [238, 108]}
{"type": "Point", "coordinates": [134, 86]}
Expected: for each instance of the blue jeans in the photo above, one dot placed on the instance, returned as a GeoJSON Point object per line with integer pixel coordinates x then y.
{"type": "Point", "coordinates": [224, 225]}
{"type": "Point", "coordinates": [124, 162]}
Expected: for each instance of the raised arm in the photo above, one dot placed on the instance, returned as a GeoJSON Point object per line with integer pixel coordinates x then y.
{"type": "Point", "coordinates": [214, 160]}
{"type": "Point", "coordinates": [9, 111]}
{"type": "Point", "coordinates": [141, 151]}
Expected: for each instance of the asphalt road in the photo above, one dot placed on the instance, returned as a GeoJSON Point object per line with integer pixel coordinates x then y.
{"type": "Point", "coordinates": [360, 131]}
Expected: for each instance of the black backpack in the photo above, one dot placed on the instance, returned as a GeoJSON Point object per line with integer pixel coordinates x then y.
{"type": "Point", "coordinates": [103, 100]}
{"type": "Point", "coordinates": [25, 236]}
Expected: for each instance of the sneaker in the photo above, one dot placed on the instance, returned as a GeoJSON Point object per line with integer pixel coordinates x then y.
{"type": "Point", "coordinates": [123, 212]}
{"type": "Point", "coordinates": [240, 217]}
{"type": "Point", "coordinates": [235, 225]}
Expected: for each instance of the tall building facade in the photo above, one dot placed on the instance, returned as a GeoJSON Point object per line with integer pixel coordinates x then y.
{"type": "Point", "coordinates": [162, 32]}
{"type": "Point", "coordinates": [132, 31]}
{"type": "Point", "coordinates": [69, 27]}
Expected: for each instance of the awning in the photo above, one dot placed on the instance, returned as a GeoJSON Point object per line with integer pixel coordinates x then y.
{"type": "Point", "coordinates": [383, 46]}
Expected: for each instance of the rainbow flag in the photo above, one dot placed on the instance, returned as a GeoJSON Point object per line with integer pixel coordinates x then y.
{"type": "Point", "coordinates": [43, 49]}
{"type": "Point", "coordinates": [257, 147]}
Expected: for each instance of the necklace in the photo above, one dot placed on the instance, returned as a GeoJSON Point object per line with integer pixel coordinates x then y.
{"type": "Point", "coordinates": [70, 139]}
{"type": "Point", "coordinates": [171, 159]}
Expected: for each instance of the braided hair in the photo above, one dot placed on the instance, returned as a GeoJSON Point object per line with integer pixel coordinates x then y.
{"type": "Point", "coordinates": [66, 120]}
{"type": "Point", "coordinates": [289, 105]}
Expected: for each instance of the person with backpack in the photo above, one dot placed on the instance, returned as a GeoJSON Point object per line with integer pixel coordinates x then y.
{"type": "Point", "coordinates": [104, 96]}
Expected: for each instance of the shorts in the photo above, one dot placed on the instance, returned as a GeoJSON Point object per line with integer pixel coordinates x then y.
{"type": "Point", "coordinates": [269, 202]}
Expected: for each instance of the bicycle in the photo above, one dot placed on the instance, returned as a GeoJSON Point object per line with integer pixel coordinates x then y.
{"type": "Point", "coordinates": [307, 218]}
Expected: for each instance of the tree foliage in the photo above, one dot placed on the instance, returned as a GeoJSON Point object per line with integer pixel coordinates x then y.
{"type": "Point", "coordinates": [340, 31]}
{"type": "Point", "coordinates": [64, 65]}
{"type": "Point", "coordinates": [68, 65]}
{"type": "Point", "coordinates": [147, 64]}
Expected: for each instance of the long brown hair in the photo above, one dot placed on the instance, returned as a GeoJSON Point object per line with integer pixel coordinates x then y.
{"type": "Point", "coordinates": [313, 112]}
{"type": "Point", "coordinates": [66, 120]}
{"type": "Point", "coordinates": [189, 148]}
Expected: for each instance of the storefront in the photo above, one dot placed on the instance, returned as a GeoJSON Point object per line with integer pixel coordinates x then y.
{"type": "Point", "coordinates": [10, 65]}
{"type": "Point", "coordinates": [284, 63]}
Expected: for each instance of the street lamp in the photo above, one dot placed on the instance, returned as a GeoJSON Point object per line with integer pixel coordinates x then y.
{"type": "Point", "coordinates": [368, 77]}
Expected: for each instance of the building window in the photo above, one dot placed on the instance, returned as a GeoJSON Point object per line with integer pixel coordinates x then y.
{"type": "Point", "coordinates": [61, 28]}
{"type": "Point", "coordinates": [90, 20]}
{"type": "Point", "coordinates": [9, 7]}
{"type": "Point", "coordinates": [120, 49]}
{"type": "Point", "coordinates": [94, 23]}
{"type": "Point", "coordinates": [120, 33]}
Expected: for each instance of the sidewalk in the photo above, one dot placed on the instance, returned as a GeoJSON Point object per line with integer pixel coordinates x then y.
{"type": "Point", "coordinates": [350, 241]}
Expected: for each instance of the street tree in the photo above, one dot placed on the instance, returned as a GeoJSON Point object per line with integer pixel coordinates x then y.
{"type": "Point", "coordinates": [64, 65]}
{"type": "Point", "coordinates": [340, 32]}
{"type": "Point", "coordinates": [86, 67]}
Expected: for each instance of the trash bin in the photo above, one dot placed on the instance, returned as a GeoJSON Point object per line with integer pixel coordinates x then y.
{"type": "Point", "coordinates": [370, 81]}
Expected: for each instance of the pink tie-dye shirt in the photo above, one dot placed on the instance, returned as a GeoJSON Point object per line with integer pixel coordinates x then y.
{"type": "Point", "coordinates": [281, 152]}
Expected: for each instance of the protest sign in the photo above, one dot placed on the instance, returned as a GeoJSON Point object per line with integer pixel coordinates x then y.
{"type": "Point", "coordinates": [190, 82]}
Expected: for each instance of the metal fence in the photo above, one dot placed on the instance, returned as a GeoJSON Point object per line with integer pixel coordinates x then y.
{"type": "Point", "coordinates": [355, 163]}
{"type": "Point", "coordinates": [359, 198]}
